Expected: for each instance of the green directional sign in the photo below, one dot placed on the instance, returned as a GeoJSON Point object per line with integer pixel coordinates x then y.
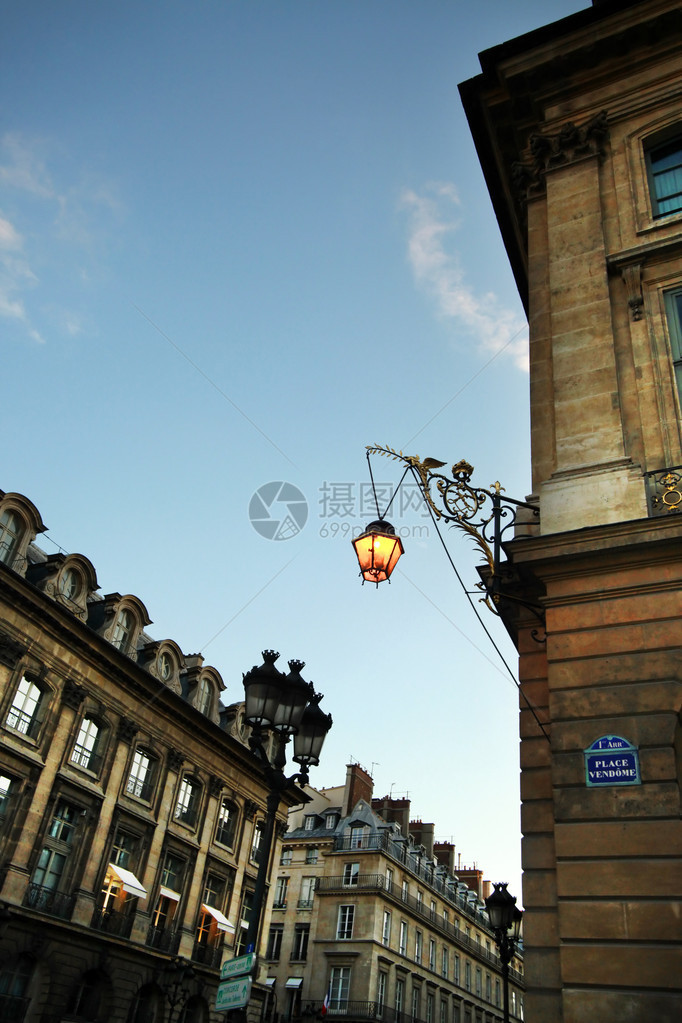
{"type": "Point", "coordinates": [239, 966]}
{"type": "Point", "coordinates": [233, 994]}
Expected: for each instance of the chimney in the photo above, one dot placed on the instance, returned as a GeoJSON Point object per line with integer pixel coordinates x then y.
{"type": "Point", "coordinates": [394, 810]}
{"type": "Point", "coordinates": [423, 835]}
{"type": "Point", "coordinates": [445, 854]}
{"type": "Point", "coordinates": [359, 785]}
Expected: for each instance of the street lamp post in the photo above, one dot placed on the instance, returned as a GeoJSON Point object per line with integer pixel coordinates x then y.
{"type": "Point", "coordinates": [505, 920]}
{"type": "Point", "coordinates": [176, 984]}
{"type": "Point", "coordinates": [286, 706]}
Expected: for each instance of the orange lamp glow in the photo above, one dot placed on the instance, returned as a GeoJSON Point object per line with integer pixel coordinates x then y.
{"type": "Point", "coordinates": [378, 550]}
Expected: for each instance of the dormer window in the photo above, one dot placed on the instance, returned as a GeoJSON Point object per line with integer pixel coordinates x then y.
{"type": "Point", "coordinates": [330, 821]}
{"type": "Point", "coordinates": [309, 823]}
{"type": "Point", "coordinates": [123, 630]}
{"type": "Point", "coordinates": [165, 666]}
{"type": "Point", "coordinates": [70, 584]}
{"type": "Point", "coordinates": [204, 695]}
{"type": "Point", "coordinates": [11, 531]}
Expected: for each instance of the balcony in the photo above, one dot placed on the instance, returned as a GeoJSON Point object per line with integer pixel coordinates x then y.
{"type": "Point", "coordinates": [208, 955]}
{"type": "Point", "coordinates": [47, 900]}
{"type": "Point", "coordinates": [166, 939]}
{"type": "Point", "coordinates": [359, 1011]}
{"type": "Point", "coordinates": [112, 922]}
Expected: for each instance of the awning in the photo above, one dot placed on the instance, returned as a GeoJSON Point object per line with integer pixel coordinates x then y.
{"type": "Point", "coordinates": [294, 982]}
{"type": "Point", "coordinates": [270, 982]}
{"type": "Point", "coordinates": [168, 893]}
{"type": "Point", "coordinates": [222, 921]}
{"type": "Point", "coordinates": [129, 881]}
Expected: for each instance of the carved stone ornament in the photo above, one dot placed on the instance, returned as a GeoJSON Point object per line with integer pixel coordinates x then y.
{"type": "Point", "coordinates": [175, 760]}
{"type": "Point", "coordinates": [250, 809]}
{"type": "Point", "coordinates": [282, 828]}
{"type": "Point", "coordinates": [73, 694]}
{"type": "Point", "coordinates": [632, 278]}
{"type": "Point", "coordinates": [127, 730]}
{"type": "Point", "coordinates": [10, 650]}
{"type": "Point", "coordinates": [572, 143]}
{"type": "Point", "coordinates": [216, 785]}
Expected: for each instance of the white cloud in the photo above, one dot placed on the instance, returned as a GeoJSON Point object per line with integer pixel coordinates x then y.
{"type": "Point", "coordinates": [24, 168]}
{"type": "Point", "coordinates": [15, 276]}
{"type": "Point", "coordinates": [438, 272]}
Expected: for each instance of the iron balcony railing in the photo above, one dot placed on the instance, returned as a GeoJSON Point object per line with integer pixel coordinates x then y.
{"type": "Point", "coordinates": [47, 900]}
{"type": "Point", "coordinates": [86, 758]}
{"type": "Point", "coordinates": [402, 853]}
{"type": "Point", "coordinates": [360, 1010]}
{"type": "Point", "coordinates": [377, 882]}
{"type": "Point", "coordinates": [208, 955]}
{"type": "Point", "coordinates": [166, 939]}
{"type": "Point", "coordinates": [112, 922]}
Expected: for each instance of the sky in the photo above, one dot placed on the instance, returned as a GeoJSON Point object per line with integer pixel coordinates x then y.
{"type": "Point", "coordinates": [241, 240]}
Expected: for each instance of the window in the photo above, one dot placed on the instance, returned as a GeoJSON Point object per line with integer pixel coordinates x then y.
{"type": "Point", "coordinates": [274, 949]}
{"type": "Point", "coordinates": [244, 920]}
{"type": "Point", "coordinates": [286, 857]}
{"type": "Point", "coordinates": [5, 791]}
{"type": "Point", "coordinates": [187, 805]}
{"type": "Point", "coordinates": [307, 893]}
{"type": "Point", "coordinates": [124, 850]}
{"type": "Point", "coordinates": [204, 696]}
{"type": "Point", "coordinates": [122, 634]}
{"type": "Point", "coordinates": [351, 872]}
{"type": "Point", "coordinates": [227, 821]}
{"type": "Point", "coordinates": [444, 962]}
{"type": "Point", "coordinates": [140, 779]}
{"type": "Point", "coordinates": [512, 999]}
{"type": "Point", "coordinates": [389, 879]}
{"type": "Point", "coordinates": [416, 1002]}
{"type": "Point", "coordinates": [70, 583]}
{"type": "Point", "coordinates": [432, 954]}
{"type": "Point", "coordinates": [330, 821]}
{"type": "Point", "coordinates": [433, 910]}
{"type": "Point", "coordinates": [255, 844]}
{"type": "Point", "coordinates": [418, 942]}
{"type": "Point", "coordinates": [311, 854]}
{"type": "Point", "coordinates": [479, 984]}
{"type": "Point", "coordinates": [446, 918]}
{"type": "Point", "coordinates": [169, 892]}
{"type": "Point", "coordinates": [339, 988]}
{"type": "Point", "coordinates": [420, 900]}
{"type": "Point", "coordinates": [405, 891]}
{"type": "Point", "coordinates": [673, 309]}
{"type": "Point", "coordinates": [49, 873]}
{"type": "Point", "coordinates": [497, 994]}
{"type": "Point", "coordinates": [488, 988]}
{"type": "Point", "coordinates": [11, 530]}
{"type": "Point", "coordinates": [309, 823]}
{"type": "Point", "coordinates": [443, 1012]}
{"type": "Point", "coordinates": [281, 892]}
{"type": "Point", "coordinates": [429, 1008]}
{"type": "Point", "coordinates": [664, 166]}
{"type": "Point", "coordinates": [344, 927]}
{"type": "Point", "coordinates": [467, 975]}
{"type": "Point", "coordinates": [85, 750]}
{"type": "Point", "coordinates": [357, 837]}
{"type": "Point", "coordinates": [25, 714]}
{"type": "Point", "coordinates": [299, 950]}
{"type": "Point", "coordinates": [403, 938]}
{"type": "Point", "coordinates": [456, 969]}
{"type": "Point", "coordinates": [386, 930]}
{"type": "Point", "coordinates": [399, 996]}
{"type": "Point", "coordinates": [381, 994]}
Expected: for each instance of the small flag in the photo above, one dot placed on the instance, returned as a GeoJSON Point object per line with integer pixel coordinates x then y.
{"type": "Point", "coordinates": [325, 1004]}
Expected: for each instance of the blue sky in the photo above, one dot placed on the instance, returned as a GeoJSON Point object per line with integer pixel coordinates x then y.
{"type": "Point", "coordinates": [239, 241]}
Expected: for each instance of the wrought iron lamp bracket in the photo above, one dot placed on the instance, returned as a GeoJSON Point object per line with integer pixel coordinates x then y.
{"type": "Point", "coordinates": [483, 514]}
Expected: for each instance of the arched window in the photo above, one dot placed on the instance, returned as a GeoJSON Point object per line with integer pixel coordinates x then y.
{"type": "Point", "coordinates": [89, 997]}
{"type": "Point", "coordinates": [11, 531]}
{"type": "Point", "coordinates": [189, 797]}
{"type": "Point", "coordinates": [15, 978]}
{"type": "Point", "coordinates": [227, 822]}
{"type": "Point", "coordinates": [25, 714]}
{"type": "Point", "coordinates": [85, 751]}
{"type": "Point", "coordinates": [204, 696]}
{"type": "Point", "coordinates": [70, 584]}
{"type": "Point", "coordinates": [142, 775]}
{"type": "Point", "coordinates": [147, 1005]}
{"type": "Point", "coordinates": [123, 630]}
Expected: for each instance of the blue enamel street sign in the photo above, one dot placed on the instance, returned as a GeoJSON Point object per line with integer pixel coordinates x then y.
{"type": "Point", "coordinates": [612, 760]}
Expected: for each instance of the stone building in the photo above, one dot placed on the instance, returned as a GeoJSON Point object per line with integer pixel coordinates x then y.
{"type": "Point", "coordinates": [364, 913]}
{"type": "Point", "coordinates": [578, 127]}
{"type": "Point", "coordinates": [130, 805]}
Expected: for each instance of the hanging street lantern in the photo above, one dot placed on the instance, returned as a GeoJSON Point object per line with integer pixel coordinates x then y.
{"type": "Point", "coordinates": [378, 550]}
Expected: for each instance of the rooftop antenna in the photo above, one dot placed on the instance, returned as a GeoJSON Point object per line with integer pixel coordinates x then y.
{"type": "Point", "coordinates": [375, 763]}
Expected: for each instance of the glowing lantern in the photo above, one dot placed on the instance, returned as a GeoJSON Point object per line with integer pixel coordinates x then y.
{"type": "Point", "coordinates": [378, 550]}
